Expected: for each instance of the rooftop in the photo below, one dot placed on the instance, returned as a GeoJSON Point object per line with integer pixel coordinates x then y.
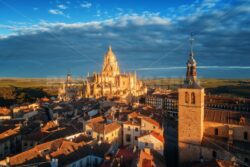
{"type": "Point", "coordinates": [227, 117]}
{"type": "Point", "coordinates": [9, 133]}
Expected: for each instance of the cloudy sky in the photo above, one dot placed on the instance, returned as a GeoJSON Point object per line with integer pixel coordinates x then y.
{"type": "Point", "coordinates": [48, 38]}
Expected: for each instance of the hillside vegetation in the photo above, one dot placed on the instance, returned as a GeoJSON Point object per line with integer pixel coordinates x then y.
{"type": "Point", "coordinates": [20, 90]}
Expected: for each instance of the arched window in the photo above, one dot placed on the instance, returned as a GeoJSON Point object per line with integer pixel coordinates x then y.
{"type": "Point", "coordinates": [186, 97]}
{"type": "Point", "coordinates": [193, 98]}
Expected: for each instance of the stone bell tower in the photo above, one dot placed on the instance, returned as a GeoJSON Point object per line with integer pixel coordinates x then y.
{"type": "Point", "coordinates": [191, 114]}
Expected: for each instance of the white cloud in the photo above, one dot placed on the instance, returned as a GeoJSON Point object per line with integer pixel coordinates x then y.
{"type": "Point", "coordinates": [56, 12]}
{"type": "Point", "coordinates": [86, 4]}
{"type": "Point", "coordinates": [62, 6]}
{"type": "Point", "coordinates": [98, 13]}
{"type": "Point", "coordinates": [35, 8]}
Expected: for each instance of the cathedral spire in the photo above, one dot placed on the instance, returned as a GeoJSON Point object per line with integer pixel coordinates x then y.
{"type": "Point", "coordinates": [110, 48]}
{"type": "Point", "coordinates": [110, 65]}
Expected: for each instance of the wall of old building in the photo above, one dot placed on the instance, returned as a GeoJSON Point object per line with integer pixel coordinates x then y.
{"type": "Point", "coordinates": [114, 136]}
{"type": "Point", "coordinates": [134, 131]}
{"type": "Point", "coordinates": [148, 141]}
{"type": "Point", "coordinates": [148, 126]}
{"type": "Point", "coordinates": [223, 130]}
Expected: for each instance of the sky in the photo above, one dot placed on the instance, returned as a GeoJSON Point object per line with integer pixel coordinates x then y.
{"type": "Point", "coordinates": [49, 38]}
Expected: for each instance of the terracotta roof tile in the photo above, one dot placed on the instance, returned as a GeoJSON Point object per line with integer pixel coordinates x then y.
{"type": "Point", "coordinates": [152, 121]}
{"type": "Point", "coordinates": [226, 116]}
{"type": "Point", "coordinates": [157, 136]}
{"type": "Point", "coordinates": [9, 133]}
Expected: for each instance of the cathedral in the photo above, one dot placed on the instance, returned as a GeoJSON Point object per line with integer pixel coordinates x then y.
{"type": "Point", "coordinates": [110, 82]}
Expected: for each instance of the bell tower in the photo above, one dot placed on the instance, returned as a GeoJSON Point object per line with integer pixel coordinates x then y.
{"type": "Point", "coordinates": [191, 113]}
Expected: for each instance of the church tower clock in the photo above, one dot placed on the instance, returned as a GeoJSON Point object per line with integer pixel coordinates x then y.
{"type": "Point", "coordinates": [191, 114]}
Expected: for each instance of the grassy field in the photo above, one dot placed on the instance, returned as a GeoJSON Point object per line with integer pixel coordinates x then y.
{"type": "Point", "coordinates": [21, 89]}
{"type": "Point", "coordinates": [29, 82]}
{"type": "Point", "coordinates": [227, 87]}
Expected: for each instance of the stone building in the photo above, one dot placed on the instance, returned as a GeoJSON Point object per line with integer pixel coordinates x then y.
{"type": "Point", "coordinates": [101, 130]}
{"type": "Point", "coordinates": [70, 89]}
{"type": "Point", "coordinates": [208, 134]}
{"type": "Point", "coordinates": [110, 82]}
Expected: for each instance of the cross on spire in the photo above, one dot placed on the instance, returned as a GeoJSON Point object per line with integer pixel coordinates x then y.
{"type": "Point", "coordinates": [191, 39]}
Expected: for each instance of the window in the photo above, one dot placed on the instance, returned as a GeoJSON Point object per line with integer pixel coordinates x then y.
{"type": "Point", "coordinates": [146, 144]}
{"type": "Point", "coordinates": [193, 98]}
{"type": "Point", "coordinates": [186, 97]}
{"type": "Point", "coordinates": [128, 128]}
{"type": "Point", "coordinates": [136, 129]}
{"type": "Point", "coordinates": [214, 154]}
{"type": "Point", "coordinates": [245, 136]}
{"type": "Point", "coordinates": [216, 131]}
{"type": "Point", "coordinates": [136, 138]}
{"type": "Point", "coordinates": [128, 138]}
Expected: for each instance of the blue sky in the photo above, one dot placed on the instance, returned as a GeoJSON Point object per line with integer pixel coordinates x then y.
{"type": "Point", "coordinates": [44, 38]}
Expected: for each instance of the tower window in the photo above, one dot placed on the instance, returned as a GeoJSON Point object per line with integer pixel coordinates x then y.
{"type": "Point", "coordinates": [214, 154]}
{"type": "Point", "coordinates": [216, 131]}
{"type": "Point", "coordinates": [193, 98]}
{"type": "Point", "coordinates": [245, 136]}
{"type": "Point", "coordinates": [186, 97]}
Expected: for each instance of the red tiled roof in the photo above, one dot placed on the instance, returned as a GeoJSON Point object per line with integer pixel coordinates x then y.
{"type": "Point", "coordinates": [157, 136]}
{"type": "Point", "coordinates": [133, 115]}
{"type": "Point", "coordinates": [125, 153]}
{"type": "Point", "coordinates": [4, 111]}
{"type": "Point", "coordinates": [131, 123]}
{"type": "Point", "coordinates": [9, 133]}
{"type": "Point", "coordinates": [152, 121]}
{"type": "Point", "coordinates": [145, 159]}
{"type": "Point", "coordinates": [226, 116]}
